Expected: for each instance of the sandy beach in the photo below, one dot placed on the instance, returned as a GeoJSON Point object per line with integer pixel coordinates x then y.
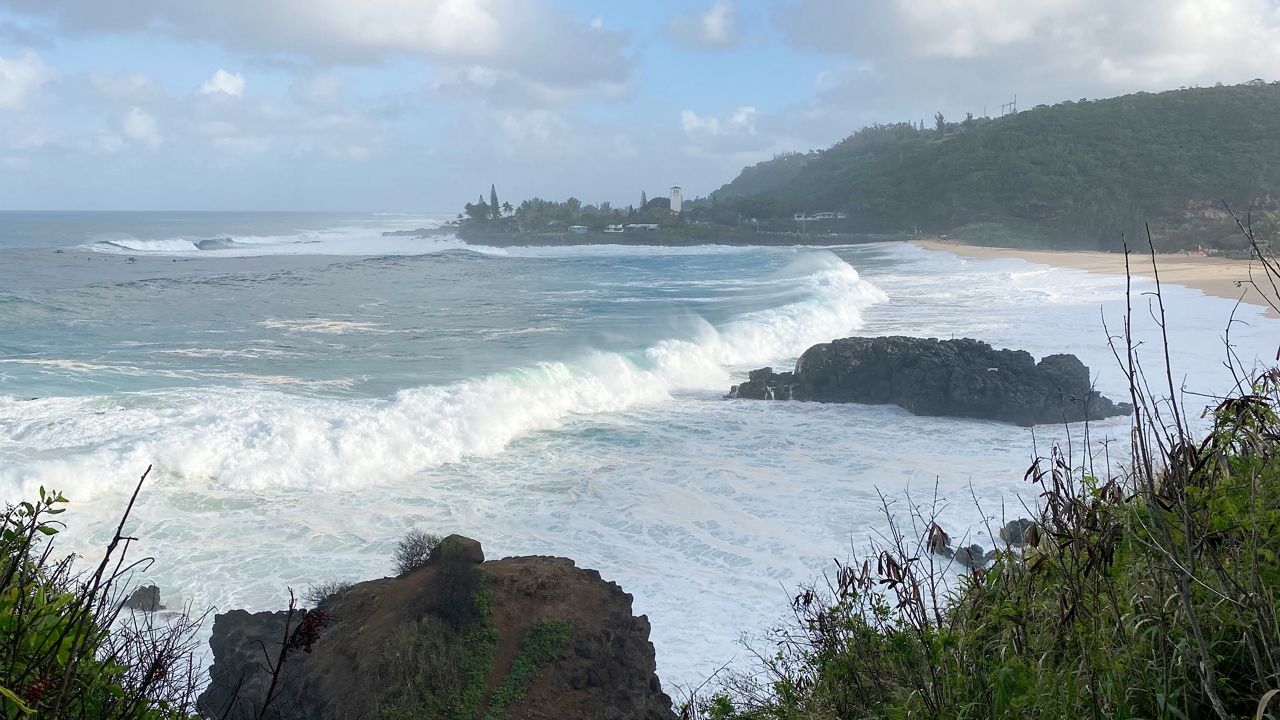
{"type": "Point", "coordinates": [1219, 277]}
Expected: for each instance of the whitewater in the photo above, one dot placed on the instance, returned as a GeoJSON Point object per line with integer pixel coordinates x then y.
{"type": "Point", "coordinates": [307, 388]}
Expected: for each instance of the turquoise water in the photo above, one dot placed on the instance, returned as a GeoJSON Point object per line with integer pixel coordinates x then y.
{"type": "Point", "coordinates": [307, 389]}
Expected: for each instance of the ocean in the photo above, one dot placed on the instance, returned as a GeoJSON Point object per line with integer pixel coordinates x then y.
{"type": "Point", "coordinates": [307, 389]}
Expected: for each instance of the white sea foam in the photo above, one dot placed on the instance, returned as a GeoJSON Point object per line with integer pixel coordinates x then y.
{"type": "Point", "coordinates": [324, 326]}
{"type": "Point", "coordinates": [248, 353]}
{"type": "Point", "coordinates": [243, 438]}
{"type": "Point", "coordinates": [358, 241]}
{"type": "Point", "coordinates": [708, 512]}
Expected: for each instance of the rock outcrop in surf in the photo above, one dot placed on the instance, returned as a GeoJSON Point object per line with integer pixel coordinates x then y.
{"type": "Point", "coordinates": [521, 637]}
{"type": "Point", "coordinates": [964, 378]}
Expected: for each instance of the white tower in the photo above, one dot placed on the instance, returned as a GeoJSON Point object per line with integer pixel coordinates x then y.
{"type": "Point", "coordinates": [676, 200]}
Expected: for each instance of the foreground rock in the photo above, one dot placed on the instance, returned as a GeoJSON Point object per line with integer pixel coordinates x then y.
{"type": "Point", "coordinates": [523, 637]}
{"type": "Point", "coordinates": [963, 378]}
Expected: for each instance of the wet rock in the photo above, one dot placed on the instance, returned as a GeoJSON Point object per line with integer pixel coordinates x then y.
{"type": "Point", "coordinates": [144, 599]}
{"type": "Point", "coordinates": [971, 557]}
{"type": "Point", "coordinates": [963, 378]}
{"type": "Point", "coordinates": [1015, 532]}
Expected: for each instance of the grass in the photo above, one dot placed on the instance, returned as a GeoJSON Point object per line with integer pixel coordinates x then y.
{"type": "Point", "coordinates": [435, 668]}
{"type": "Point", "coordinates": [540, 645]}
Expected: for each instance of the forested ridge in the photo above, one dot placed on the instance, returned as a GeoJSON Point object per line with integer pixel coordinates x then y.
{"type": "Point", "coordinates": [1075, 174]}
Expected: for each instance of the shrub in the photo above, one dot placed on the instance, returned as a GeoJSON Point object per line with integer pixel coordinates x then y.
{"type": "Point", "coordinates": [413, 550]}
{"type": "Point", "coordinates": [326, 592]}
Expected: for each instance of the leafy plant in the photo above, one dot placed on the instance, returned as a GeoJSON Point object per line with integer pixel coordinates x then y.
{"type": "Point", "coordinates": [66, 649]}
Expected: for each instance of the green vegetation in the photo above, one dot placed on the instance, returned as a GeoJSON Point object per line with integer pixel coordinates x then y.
{"type": "Point", "coordinates": [438, 666]}
{"type": "Point", "coordinates": [538, 216]}
{"type": "Point", "coordinates": [1077, 174]}
{"type": "Point", "coordinates": [540, 645]}
{"type": "Point", "coordinates": [1152, 592]}
{"type": "Point", "coordinates": [434, 669]}
{"type": "Point", "coordinates": [65, 650]}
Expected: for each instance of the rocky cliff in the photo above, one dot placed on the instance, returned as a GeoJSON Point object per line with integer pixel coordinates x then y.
{"type": "Point", "coordinates": [461, 638]}
{"type": "Point", "coordinates": [965, 378]}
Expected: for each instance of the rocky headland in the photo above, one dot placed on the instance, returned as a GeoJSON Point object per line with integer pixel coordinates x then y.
{"type": "Point", "coordinates": [962, 378]}
{"type": "Point", "coordinates": [460, 637]}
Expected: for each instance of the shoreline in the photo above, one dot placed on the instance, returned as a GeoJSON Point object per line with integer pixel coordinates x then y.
{"type": "Point", "coordinates": [1216, 277]}
{"type": "Point", "coordinates": [734, 237]}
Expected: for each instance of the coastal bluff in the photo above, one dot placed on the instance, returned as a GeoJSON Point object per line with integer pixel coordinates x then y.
{"type": "Point", "coordinates": [460, 637]}
{"type": "Point", "coordinates": [927, 376]}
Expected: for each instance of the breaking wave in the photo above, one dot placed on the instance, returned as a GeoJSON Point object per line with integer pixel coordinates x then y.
{"type": "Point", "coordinates": [251, 438]}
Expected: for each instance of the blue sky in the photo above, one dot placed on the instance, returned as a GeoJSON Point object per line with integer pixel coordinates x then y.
{"type": "Point", "coordinates": [418, 105]}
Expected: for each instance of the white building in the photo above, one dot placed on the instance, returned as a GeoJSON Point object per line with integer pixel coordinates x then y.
{"type": "Point", "coordinates": [676, 201]}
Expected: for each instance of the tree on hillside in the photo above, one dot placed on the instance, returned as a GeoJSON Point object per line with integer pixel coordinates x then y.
{"type": "Point", "coordinates": [644, 199]}
{"type": "Point", "coordinates": [494, 207]}
{"type": "Point", "coordinates": [939, 123]}
{"type": "Point", "coordinates": [507, 209]}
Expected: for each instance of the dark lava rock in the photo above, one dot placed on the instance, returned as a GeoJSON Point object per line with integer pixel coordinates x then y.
{"type": "Point", "coordinates": [145, 599]}
{"type": "Point", "coordinates": [380, 632]}
{"type": "Point", "coordinates": [971, 557]}
{"type": "Point", "coordinates": [963, 378]}
{"type": "Point", "coordinates": [1015, 532]}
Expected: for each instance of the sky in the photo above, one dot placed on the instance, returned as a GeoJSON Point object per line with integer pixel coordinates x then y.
{"type": "Point", "coordinates": [419, 105]}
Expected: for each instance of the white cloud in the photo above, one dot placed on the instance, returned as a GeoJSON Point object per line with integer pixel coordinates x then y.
{"type": "Point", "coordinates": [906, 59]}
{"type": "Point", "coordinates": [521, 129]}
{"type": "Point", "coordinates": [717, 24]}
{"type": "Point", "coordinates": [731, 139]}
{"type": "Point", "coordinates": [121, 86]}
{"type": "Point", "coordinates": [714, 28]}
{"type": "Point", "coordinates": [319, 89]}
{"type": "Point", "coordinates": [141, 127]}
{"type": "Point", "coordinates": [532, 38]}
{"type": "Point", "coordinates": [224, 82]}
{"type": "Point", "coordinates": [19, 77]}
{"type": "Point", "coordinates": [107, 143]}
{"type": "Point", "coordinates": [740, 121]}
{"type": "Point", "coordinates": [1100, 41]}
{"type": "Point", "coordinates": [504, 89]}
{"type": "Point", "coordinates": [242, 144]}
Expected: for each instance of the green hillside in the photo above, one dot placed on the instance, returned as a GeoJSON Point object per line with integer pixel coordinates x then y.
{"type": "Point", "coordinates": [1075, 174]}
